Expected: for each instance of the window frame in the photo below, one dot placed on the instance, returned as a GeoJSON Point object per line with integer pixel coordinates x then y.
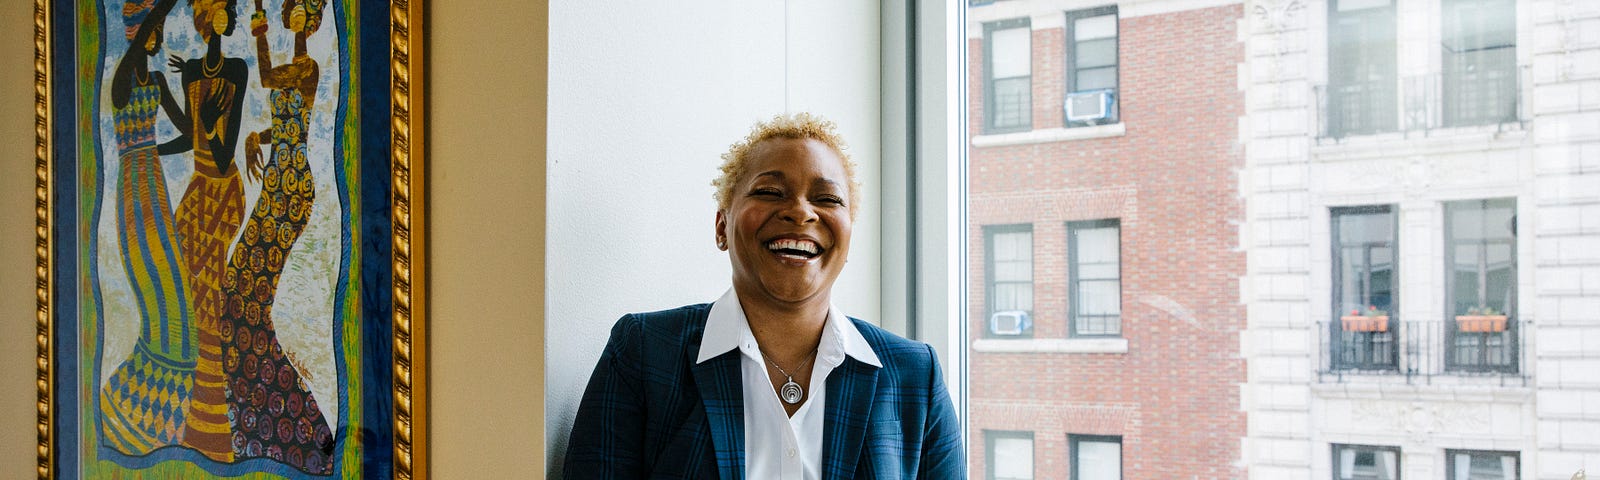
{"type": "Point", "coordinates": [989, 233]}
{"type": "Point", "coordinates": [1070, 64]}
{"type": "Point", "coordinates": [990, 108]}
{"type": "Point", "coordinates": [1399, 458]}
{"type": "Point", "coordinates": [1450, 464]}
{"type": "Point", "coordinates": [1336, 262]}
{"type": "Point", "coordinates": [989, 440]}
{"type": "Point", "coordinates": [1073, 299]}
{"type": "Point", "coordinates": [1453, 335]}
{"type": "Point", "coordinates": [1072, 451]}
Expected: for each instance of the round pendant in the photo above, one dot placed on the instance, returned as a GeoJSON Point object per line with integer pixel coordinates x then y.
{"type": "Point", "coordinates": [791, 392]}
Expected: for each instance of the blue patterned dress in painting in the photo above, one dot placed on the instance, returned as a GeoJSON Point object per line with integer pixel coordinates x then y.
{"type": "Point", "coordinates": [142, 403]}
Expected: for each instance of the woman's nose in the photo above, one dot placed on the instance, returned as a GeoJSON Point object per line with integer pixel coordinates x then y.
{"type": "Point", "coordinates": [799, 211]}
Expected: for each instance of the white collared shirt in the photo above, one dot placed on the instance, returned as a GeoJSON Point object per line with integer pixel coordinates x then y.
{"type": "Point", "coordinates": [777, 445]}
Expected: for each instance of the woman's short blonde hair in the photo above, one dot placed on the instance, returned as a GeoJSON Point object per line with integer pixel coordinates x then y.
{"type": "Point", "coordinates": [797, 125]}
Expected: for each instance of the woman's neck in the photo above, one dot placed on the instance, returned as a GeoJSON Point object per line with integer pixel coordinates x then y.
{"type": "Point", "coordinates": [787, 332]}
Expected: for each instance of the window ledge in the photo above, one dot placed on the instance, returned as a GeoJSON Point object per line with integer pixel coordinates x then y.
{"type": "Point", "coordinates": [1051, 345]}
{"type": "Point", "coordinates": [1435, 142]}
{"type": "Point", "coordinates": [1463, 392]}
{"type": "Point", "coordinates": [1048, 135]}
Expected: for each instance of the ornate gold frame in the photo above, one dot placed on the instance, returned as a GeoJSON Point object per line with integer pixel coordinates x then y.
{"type": "Point", "coordinates": [408, 223]}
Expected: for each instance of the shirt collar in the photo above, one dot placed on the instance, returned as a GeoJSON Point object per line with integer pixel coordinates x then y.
{"type": "Point", "coordinates": [728, 329]}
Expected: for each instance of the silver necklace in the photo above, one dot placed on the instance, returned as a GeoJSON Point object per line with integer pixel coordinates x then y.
{"type": "Point", "coordinates": [790, 392]}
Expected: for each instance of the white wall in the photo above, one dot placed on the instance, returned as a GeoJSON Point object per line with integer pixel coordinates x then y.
{"type": "Point", "coordinates": [643, 100]}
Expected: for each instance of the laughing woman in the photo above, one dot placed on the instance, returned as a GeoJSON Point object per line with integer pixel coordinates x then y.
{"type": "Point", "coordinates": [771, 381]}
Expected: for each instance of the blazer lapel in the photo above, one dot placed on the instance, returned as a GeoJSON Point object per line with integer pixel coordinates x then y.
{"type": "Point", "coordinates": [850, 390]}
{"type": "Point", "coordinates": [722, 392]}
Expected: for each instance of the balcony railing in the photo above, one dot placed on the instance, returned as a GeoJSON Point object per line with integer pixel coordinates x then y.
{"type": "Point", "coordinates": [1420, 105]}
{"type": "Point", "coordinates": [1423, 351]}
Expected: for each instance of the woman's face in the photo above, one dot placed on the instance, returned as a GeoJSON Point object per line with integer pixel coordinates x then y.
{"type": "Point", "coordinates": [788, 226]}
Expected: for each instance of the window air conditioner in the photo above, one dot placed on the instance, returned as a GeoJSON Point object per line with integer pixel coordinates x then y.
{"type": "Point", "coordinates": [1090, 105]}
{"type": "Point", "coordinates": [1011, 322]}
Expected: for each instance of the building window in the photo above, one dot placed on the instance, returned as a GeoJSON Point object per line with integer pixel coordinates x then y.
{"type": "Point", "coordinates": [1091, 67]}
{"type": "Point", "coordinates": [1361, 462]}
{"type": "Point", "coordinates": [1361, 68]}
{"type": "Point", "coordinates": [1095, 277]}
{"type": "Point", "coordinates": [1364, 287]}
{"type": "Point", "coordinates": [1008, 67]}
{"type": "Point", "coordinates": [1479, 465]}
{"type": "Point", "coordinates": [1095, 457]}
{"type": "Point", "coordinates": [1010, 455]}
{"type": "Point", "coordinates": [1479, 45]}
{"type": "Point", "coordinates": [1481, 286]}
{"type": "Point", "coordinates": [1009, 268]}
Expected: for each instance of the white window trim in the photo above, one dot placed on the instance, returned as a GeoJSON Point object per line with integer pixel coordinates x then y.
{"type": "Point", "coordinates": [1047, 135]}
{"type": "Point", "coordinates": [1051, 345]}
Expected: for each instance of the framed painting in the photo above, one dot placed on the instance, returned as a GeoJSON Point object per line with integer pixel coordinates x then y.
{"type": "Point", "coordinates": [229, 239]}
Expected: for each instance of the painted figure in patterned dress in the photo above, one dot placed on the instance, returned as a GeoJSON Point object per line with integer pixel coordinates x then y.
{"type": "Point", "coordinates": [142, 403]}
{"type": "Point", "coordinates": [209, 215]}
{"type": "Point", "coordinates": [274, 412]}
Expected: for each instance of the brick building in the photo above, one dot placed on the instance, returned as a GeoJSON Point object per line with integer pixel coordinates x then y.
{"type": "Point", "coordinates": [1104, 229]}
{"type": "Point", "coordinates": [1422, 185]}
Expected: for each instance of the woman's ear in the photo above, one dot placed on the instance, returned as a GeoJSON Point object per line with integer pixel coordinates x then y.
{"type": "Point", "coordinates": [722, 227]}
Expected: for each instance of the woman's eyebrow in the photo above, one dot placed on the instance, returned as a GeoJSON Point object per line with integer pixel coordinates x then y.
{"type": "Point", "coordinates": [770, 173]}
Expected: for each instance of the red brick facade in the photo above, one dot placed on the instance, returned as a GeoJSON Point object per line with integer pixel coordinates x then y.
{"type": "Point", "coordinates": [1172, 181]}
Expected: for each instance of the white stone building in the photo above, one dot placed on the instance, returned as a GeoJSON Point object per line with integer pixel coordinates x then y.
{"type": "Point", "coordinates": [1422, 160]}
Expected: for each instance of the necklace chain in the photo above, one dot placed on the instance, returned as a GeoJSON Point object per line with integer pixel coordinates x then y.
{"type": "Point", "coordinates": [780, 368]}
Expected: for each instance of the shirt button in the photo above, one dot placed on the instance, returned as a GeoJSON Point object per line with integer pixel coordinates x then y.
{"type": "Point", "coordinates": [790, 452]}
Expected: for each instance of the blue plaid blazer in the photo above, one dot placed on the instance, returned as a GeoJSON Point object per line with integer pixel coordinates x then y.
{"type": "Point", "coordinates": [651, 412]}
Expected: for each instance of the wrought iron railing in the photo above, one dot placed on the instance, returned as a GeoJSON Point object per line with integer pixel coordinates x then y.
{"type": "Point", "coordinates": [1424, 103]}
{"type": "Point", "coordinates": [1424, 351]}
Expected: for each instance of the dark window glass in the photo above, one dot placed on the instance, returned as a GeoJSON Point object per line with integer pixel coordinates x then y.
{"type": "Point", "coordinates": [1361, 462]}
{"type": "Point", "coordinates": [1364, 287]}
{"type": "Point", "coordinates": [1481, 283]}
{"type": "Point", "coordinates": [1479, 465]}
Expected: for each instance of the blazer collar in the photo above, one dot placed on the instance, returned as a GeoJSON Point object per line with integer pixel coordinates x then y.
{"type": "Point", "coordinates": [728, 329]}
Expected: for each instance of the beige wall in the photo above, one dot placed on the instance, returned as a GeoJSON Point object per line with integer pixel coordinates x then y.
{"type": "Point", "coordinates": [486, 174]}
{"type": "Point", "coordinates": [16, 240]}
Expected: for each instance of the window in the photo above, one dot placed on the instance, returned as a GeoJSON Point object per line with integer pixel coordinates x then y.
{"type": "Point", "coordinates": [1361, 67]}
{"type": "Point", "coordinates": [1479, 465]}
{"type": "Point", "coordinates": [1364, 285]}
{"type": "Point", "coordinates": [1481, 254]}
{"type": "Point", "coordinates": [1360, 462]}
{"type": "Point", "coordinates": [1008, 66]}
{"type": "Point", "coordinates": [1095, 277]}
{"type": "Point", "coordinates": [1010, 455]}
{"type": "Point", "coordinates": [1010, 279]}
{"type": "Point", "coordinates": [1091, 63]}
{"type": "Point", "coordinates": [1479, 45]}
{"type": "Point", "coordinates": [1096, 457]}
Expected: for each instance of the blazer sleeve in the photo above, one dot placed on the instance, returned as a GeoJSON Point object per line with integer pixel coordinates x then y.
{"type": "Point", "coordinates": [608, 434]}
{"type": "Point", "coordinates": [941, 446]}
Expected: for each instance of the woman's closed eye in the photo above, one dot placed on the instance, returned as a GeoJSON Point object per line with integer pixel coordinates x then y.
{"type": "Point", "coordinates": [830, 200]}
{"type": "Point", "coordinates": [767, 192]}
